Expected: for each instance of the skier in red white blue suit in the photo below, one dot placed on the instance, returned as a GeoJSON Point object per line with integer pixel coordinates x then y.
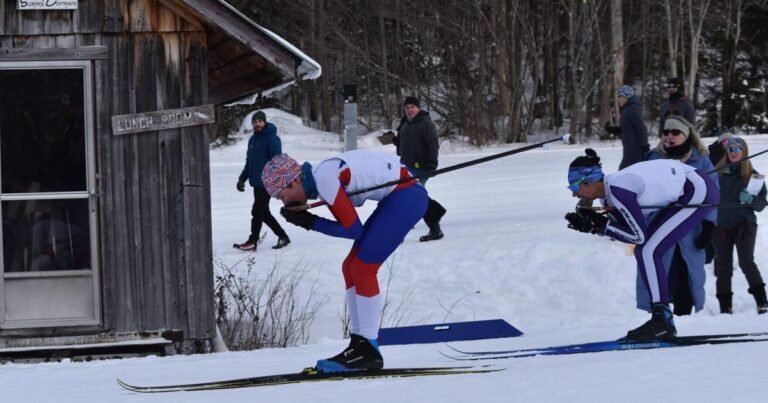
{"type": "Point", "coordinates": [399, 208]}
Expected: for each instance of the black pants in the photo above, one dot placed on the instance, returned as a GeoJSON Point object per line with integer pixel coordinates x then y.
{"type": "Point", "coordinates": [679, 290]}
{"type": "Point", "coordinates": [260, 214]}
{"type": "Point", "coordinates": [435, 210]}
{"type": "Point", "coordinates": [743, 238]}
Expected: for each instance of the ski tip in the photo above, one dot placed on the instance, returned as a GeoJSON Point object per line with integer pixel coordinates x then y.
{"type": "Point", "coordinates": [565, 137]}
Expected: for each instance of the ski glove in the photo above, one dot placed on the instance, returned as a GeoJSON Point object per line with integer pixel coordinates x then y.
{"type": "Point", "coordinates": [587, 221]}
{"type": "Point", "coordinates": [303, 218]}
{"type": "Point", "coordinates": [615, 130]}
{"type": "Point", "coordinates": [241, 186]}
{"type": "Point", "coordinates": [705, 237]}
{"type": "Point", "coordinates": [745, 197]}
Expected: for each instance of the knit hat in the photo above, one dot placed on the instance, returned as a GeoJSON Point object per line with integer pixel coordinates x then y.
{"type": "Point", "coordinates": [675, 124]}
{"type": "Point", "coordinates": [676, 81]}
{"type": "Point", "coordinates": [259, 115]}
{"type": "Point", "coordinates": [625, 91]}
{"type": "Point", "coordinates": [412, 101]}
{"type": "Point", "coordinates": [723, 138]}
{"type": "Point", "coordinates": [584, 169]}
{"type": "Point", "coordinates": [279, 172]}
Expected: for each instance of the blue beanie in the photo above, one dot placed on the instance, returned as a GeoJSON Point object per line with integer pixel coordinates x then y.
{"type": "Point", "coordinates": [584, 169]}
{"type": "Point", "coordinates": [625, 91]}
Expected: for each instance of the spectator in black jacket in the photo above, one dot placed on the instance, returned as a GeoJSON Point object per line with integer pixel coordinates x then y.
{"type": "Point", "coordinates": [677, 104]}
{"type": "Point", "coordinates": [632, 129]}
{"type": "Point", "coordinates": [417, 146]}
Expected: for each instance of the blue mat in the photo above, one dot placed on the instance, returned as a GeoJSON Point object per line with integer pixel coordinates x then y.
{"type": "Point", "coordinates": [458, 331]}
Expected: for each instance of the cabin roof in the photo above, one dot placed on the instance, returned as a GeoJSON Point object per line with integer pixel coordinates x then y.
{"type": "Point", "coordinates": [245, 58]}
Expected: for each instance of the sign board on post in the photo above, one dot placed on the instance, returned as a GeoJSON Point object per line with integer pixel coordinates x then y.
{"type": "Point", "coordinates": [46, 5]}
{"type": "Point", "coordinates": [160, 120]}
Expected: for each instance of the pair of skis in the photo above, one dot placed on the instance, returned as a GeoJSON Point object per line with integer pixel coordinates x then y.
{"type": "Point", "coordinates": [614, 345]}
{"type": "Point", "coordinates": [312, 375]}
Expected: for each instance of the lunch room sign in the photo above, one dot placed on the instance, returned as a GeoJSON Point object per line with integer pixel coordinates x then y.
{"type": "Point", "coordinates": [160, 120]}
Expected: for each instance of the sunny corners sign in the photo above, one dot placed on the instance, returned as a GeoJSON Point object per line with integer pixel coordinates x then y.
{"type": "Point", "coordinates": [46, 5]}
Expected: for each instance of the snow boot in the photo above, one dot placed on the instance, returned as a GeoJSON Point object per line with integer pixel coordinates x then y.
{"type": "Point", "coordinates": [248, 245]}
{"type": "Point", "coordinates": [760, 298]}
{"type": "Point", "coordinates": [726, 302]}
{"type": "Point", "coordinates": [282, 242]}
{"type": "Point", "coordinates": [661, 326]}
{"type": "Point", "coordinates": [362, 354]}
{"type": "Point", "coordinates": [434, 233]}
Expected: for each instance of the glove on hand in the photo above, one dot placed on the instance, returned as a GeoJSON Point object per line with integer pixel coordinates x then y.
{"type": "Point", "coordinates": [240, 186]}
{"type": "Point", "coordinates": [587, 221]}
{"type": "Point", "coordinates": [745, 197]}
{"type": "Point", "coordinates": [303, 218]}
{"type": "Point", "coordinates": [615, 130]}
{"type": "Point", "coordinates": [705, 237]}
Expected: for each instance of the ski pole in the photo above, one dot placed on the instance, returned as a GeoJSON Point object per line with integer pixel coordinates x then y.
{"type": "Point", "coordinates": [677, 205]}
{"type": "Point", "coordinates": [437, 171]}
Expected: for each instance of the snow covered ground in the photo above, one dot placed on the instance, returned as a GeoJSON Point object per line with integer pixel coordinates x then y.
{"type": "Point", "coordinates": [506, 254]}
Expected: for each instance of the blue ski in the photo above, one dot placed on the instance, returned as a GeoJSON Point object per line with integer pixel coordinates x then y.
{"type": "Point", "coordinates": [613, 345]}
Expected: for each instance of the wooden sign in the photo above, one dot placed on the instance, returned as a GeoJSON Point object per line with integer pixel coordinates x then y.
{"type": "Point", "coordinates": [159, 120]}
{"type": "Point", "coordinates": [46, 5]}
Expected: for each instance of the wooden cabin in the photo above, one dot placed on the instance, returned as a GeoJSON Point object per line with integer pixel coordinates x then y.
{"type": "Point", "coordinates": [104, 168]}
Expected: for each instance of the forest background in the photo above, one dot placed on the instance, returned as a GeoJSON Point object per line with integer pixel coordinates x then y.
{"type": "Point", "coordinates": [495, 71]}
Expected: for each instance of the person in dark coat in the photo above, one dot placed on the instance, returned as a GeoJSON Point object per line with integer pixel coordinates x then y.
{"type": "Point", "coordinates": [417, 146]}
{"type": "Point", "coordinates": [677, 104]}
{"type": "Point", "coordinates": [262, 146]}
{"type": "Point", "coordinates": [738, 226]}
{"type": "Point", "coordinates": [631, 129]}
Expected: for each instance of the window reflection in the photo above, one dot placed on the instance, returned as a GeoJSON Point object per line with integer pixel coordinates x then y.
{"type": "Point", "coordinates": [40, 235]}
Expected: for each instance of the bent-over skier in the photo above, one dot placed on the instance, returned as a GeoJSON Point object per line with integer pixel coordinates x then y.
{"type": "Point", "coordinates": [399, 208]}
{"type": "Point", "coordinates": [646, 205]}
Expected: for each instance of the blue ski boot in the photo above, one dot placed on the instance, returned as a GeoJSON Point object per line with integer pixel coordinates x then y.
{"type": "Point", "coordinates": [661, 326]}
{"type": "Point", "coordinates": [361, 354]}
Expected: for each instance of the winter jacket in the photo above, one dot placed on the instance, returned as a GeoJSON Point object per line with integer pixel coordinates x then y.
{"type": "Point", "coordinates": [262, 146]}
{"type": "Point", "coordinates": [730, 187]}
{"type": "Point", "coordinates": [416, 142]}
{"type": "Point", "coordinates": [677, 104]}
{"type": "Point", "coordinates": [693, 256]}
{"type": "Point", "coordinates": [634, 133]}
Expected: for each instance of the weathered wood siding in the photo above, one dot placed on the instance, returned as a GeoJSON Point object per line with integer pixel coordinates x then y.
{"type": "Point", "coordinates": [153, 187]}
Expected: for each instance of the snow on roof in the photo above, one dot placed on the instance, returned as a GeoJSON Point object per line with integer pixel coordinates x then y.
{"type": "Point", "coordinates": [309, 69]}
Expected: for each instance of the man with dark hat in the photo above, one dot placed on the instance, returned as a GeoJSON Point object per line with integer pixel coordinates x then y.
{"type": "Point", "coordinates": [417, 146]}
{"type": "Point", "coordinates": [633, 198]}
{"type": "Point", "coordinates": [677, 104]}
{"type": "Point", "coordinates": [262, 146]}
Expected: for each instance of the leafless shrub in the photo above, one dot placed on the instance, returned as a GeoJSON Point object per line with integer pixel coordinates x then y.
{"type": "Point", "coordinates": [267, 310]}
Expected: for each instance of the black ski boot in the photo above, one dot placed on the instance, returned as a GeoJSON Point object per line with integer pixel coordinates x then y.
{"type": "Point", "coordinates": [282, 242]}
{"type": "Point", "coordinates": [434, 233]}
{"type": "Point", "coordinates": [661, 326]}
{"type": "Point", "coordinates": [760, 298]}
{"type": "Point", "coordinates": [361, 354]}
{"type": "Point", "coordinates": [726, 302]}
